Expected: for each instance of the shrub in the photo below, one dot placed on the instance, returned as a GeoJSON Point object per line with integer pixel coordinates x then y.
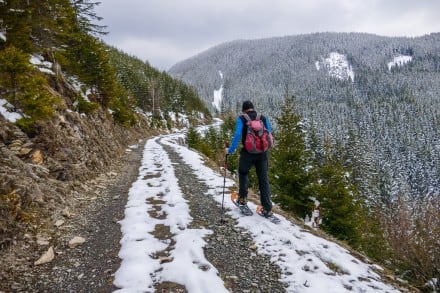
{"type": "Point", "coordinates": [26, 88]}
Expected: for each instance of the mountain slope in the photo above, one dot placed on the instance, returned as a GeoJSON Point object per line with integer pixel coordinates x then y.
{"type": "Point", "coordinates": [68, 103]}
{"type": "Point", "coordinates": [377, 97]}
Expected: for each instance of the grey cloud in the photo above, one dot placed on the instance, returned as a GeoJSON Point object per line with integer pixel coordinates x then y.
{"type": "Point", "coordinates": [186, 27]}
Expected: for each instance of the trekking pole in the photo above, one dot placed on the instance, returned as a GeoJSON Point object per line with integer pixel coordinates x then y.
{"type": "Point", "coordinates": [225, 166]}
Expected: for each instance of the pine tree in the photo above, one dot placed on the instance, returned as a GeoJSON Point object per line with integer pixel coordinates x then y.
{"type": "Point", "coordinates": [339, 210]}
{"type": "Point", "coordinates": [289, 162]}
{"type": "Point", "coordinates": [25, 88]}
{"type": "Point", "coordinates": [193, 138]}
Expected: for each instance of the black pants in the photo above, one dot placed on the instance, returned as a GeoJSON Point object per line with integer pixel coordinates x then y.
{"type": "Point", "coordinates": [260, 161]}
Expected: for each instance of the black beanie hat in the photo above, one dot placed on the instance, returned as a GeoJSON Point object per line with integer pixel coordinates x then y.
{"type": "Point", "coordinates": [247, 105]}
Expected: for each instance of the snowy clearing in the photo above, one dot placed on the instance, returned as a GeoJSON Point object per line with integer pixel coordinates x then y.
{"type": "Point", "coordinates": [337, 66]}
{"type": "Point", "coordinates": [399, 61]}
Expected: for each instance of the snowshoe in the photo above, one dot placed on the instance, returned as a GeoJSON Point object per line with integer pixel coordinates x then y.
{"type": "Point", "coordinates": [244, 209]}
{"type": "Point", "coordinates": [268, 215]}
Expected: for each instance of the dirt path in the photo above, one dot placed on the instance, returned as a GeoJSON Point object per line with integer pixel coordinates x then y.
{"type": "Point", "coordinates": [240, 265]}
{"type": "Point", "coordinates": [230, 249]}
{"type": "Point", "coordinates": [93, 216]}
{"type": "Point", "coordinates": [90, 267]}
{"type": "Point", "coordinates": [98, 258]}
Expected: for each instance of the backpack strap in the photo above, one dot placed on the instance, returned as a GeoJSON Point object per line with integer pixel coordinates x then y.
{"type": "Point", "coordinates": [246, 116]}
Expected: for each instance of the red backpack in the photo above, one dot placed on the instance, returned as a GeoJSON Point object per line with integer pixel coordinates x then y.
{"type": "Point", "coordinates": [258, 139]}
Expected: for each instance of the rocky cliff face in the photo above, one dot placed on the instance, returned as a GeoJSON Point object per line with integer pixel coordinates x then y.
{"type": "Point", "coordinates": [39, 175]}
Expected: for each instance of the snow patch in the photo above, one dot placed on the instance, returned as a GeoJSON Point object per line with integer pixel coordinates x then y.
{"type": "Point", "coordinates": [399, 61]}
{"type": "Point", "coordinates": [81, 88]}
{"type": "Point", "coordinates": [306, 261]}
{"type": "Point", "coordinates": [5, 111]}
{"type": "Point", "coordinates": [433, 284]}
{"type": "Point", "coordinates": [2, 35]}
{"type": "Point", "coordinates": [337, 66]}
{"type": "Point", "coordinates": [218, 94]}
{"type": "Point", "coordinates": [43, 66]}
{"type": "Point", "coordinates": [140, 267]}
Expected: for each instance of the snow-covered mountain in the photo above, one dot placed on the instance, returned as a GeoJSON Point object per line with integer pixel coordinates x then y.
{"type": "Point", "coordinates": [378, 97]}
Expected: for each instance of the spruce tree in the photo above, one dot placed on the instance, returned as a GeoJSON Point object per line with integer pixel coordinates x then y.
{"type": "Point", "coordinates": [25, 88]}
{"type": "Point", "coordinates": [289, 162]}
{"type": "Point", "coordinates": [339, 208]}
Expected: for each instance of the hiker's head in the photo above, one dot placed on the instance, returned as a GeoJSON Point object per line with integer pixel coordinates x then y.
{"type": "Point", "coordinates": [247, 105]}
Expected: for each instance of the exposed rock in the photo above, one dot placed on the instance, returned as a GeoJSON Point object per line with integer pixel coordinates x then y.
{"type": "Point", "coordinates": [76, 241]}
{"type": "Point", "coordinates": [59, 223]}
{"type": "Point", "coordinates": [42, 241]}
{"type": "Point", "coordinates": [66, 213]}
{"type": "Point", "coordinates": [48, 256]}
{"type": "Point", "coordinates": [36, 194]}
{"type": "Point", "coordinates": [37, 157]}
{"type": "Point", "coordinates": [24, 151]}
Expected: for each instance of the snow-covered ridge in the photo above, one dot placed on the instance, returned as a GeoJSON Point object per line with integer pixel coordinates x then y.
{"type": "Point", "coordinates": [399, 61]}
{"type": "Point", "coordinates": [337, 66]}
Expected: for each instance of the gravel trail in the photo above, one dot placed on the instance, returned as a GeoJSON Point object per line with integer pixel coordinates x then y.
{"type": "Point", "coordinates": [230, 249]}
{"type": "Point", "coordinates": [90, 267]}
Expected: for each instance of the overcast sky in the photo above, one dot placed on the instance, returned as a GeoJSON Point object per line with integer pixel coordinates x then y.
{"type": "Point", "coordinates": [164, 32]}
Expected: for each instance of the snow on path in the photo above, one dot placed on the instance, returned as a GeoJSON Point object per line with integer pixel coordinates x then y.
{"type": "Point", "coordinates": [140, 269]}
{"type": "Point", "coordinates": [308, 263]}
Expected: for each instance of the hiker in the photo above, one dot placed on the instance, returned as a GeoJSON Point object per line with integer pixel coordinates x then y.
{"type": "Point", "coordinates": [249, 158]}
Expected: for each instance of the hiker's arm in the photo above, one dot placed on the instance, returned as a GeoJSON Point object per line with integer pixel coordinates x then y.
{"type": "Point", "coordinates": [267, 124]}
{"type": "Point", "coordinates": [237, 136]}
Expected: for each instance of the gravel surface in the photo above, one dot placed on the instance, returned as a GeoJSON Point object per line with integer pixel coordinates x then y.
{"type": "Point", "coordinates": [90, 267]}
{"type": "Point", "coordinates": [230, 249]}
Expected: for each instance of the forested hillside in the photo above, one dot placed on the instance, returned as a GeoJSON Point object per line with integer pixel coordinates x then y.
{"type": "Point", "coordinates": [383, 110]}
{"type": "Point", "coordinates": [368, 123]}
{"type": "Point", "coordinates": [69, 107]}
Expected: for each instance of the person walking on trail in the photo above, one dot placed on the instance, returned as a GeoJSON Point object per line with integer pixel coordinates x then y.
{"type": "Point", "coordinates": [248, 159]}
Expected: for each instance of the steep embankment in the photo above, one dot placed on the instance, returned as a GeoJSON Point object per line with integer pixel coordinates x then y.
{"type": "Point", "coordinates": [93, 216]}
{"type": "Point", "coordinates": [44, 177]}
